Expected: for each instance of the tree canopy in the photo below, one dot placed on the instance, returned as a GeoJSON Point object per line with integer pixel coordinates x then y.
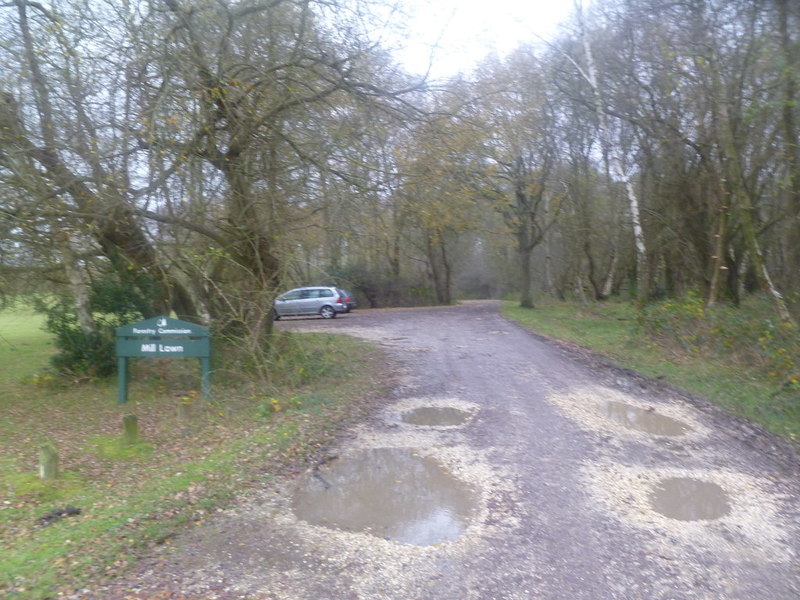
{"type": "Point", "coordinates": [206, 155]}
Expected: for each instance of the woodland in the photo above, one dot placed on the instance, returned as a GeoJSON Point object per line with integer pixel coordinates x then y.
{"type": "Point", "coordinates": [198, 158]}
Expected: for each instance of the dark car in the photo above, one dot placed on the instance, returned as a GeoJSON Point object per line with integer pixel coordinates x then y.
{"type": "Point", "coordinates": [349, 300]}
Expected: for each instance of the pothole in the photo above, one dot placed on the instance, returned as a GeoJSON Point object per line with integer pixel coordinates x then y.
{"type": "Point", "coordinates": [688, 499]}
{"type": "Point", "coordinates": [435, 416]}
{"type": "Point", "coordinates": [711, 509]}
{"type": "Point", "coordinates": [391, 493]}
{"type": "Point", "coordinates": [598, 408]}
{"type": "Point", "coordinates": [646, 420]}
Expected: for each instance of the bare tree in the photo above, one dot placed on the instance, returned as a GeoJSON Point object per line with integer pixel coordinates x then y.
{"type": "Point", "coordinates": [518, 155]}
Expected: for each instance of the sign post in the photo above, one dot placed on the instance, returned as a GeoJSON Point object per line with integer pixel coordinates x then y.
{"type": "Point", "coordinates": [162, 336]}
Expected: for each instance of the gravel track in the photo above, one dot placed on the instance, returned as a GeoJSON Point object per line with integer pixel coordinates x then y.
{"type": "Point", "coordinates": [563, 508]}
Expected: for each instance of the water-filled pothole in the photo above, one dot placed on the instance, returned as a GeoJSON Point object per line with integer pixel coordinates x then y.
{"type": "Point", "coordinates": [435, 416]}
{"type": "Point", "coordinates": [687, 499]}
{"type": "Point", "coordinates": [390, 493]}
{"type": "Point", "coordinates": [644, 420]}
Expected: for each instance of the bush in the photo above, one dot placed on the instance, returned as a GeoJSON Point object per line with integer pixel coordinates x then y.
{"type": "Point", "coordinates": [113, 305]}
{"type": "Point", "coordinates": [749, 334]}
{"type": "Point", "coordinates": [79, 353]}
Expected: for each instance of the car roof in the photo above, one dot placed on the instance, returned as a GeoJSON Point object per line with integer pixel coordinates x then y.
{"type": "Point", "coordinates": [312, 287]}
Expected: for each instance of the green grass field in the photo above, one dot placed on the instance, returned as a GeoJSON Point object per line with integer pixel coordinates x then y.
{"type": "Point", "coordinates": [25, 348]}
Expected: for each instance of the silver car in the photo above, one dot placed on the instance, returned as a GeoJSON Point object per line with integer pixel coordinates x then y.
{"type": "Point", "coordinates": [324, 301]}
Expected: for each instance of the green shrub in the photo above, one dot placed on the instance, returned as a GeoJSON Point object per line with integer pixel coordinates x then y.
{"type": "Point", "coordinates": [78, 353]}
{"type": "Point", "coordinates": [113, 304]}
{"type": "Point", "coordinates": [750, 334]}
{"type": "Point", "coordinates": [302, 359]}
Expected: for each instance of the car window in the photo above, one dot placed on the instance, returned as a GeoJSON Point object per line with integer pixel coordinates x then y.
{"type": "Point", "coordinates": [325, 293]}
{"type": "Point", "coordinates": [294, 295]}
{"type": "Point", "coordinates": [308, 294]}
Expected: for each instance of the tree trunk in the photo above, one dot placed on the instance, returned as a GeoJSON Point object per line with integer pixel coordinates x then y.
{"type": "Point", "coordinates": [608, 284]}
{"type": "Point", "coordinates": [448, 272]}
{"type": "Point", "coordinates": [614, 153]}
{"type": "Point", "coordinates": [101, 208]}
{"type": "Point", "coordinates": [718, 258]}
{"type": "Point", "coordinates": [548, 266]}
{"type": "Point", "coordinates": [79, 283]}
{"type": "Point", "coordinates": [791, 150]}
{"type": "Point", "coordinates": [730, 159]}
{"type": "Point", "coordinates": [526, 279]}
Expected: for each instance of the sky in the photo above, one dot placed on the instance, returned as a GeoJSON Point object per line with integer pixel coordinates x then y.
{"type": "Point", "coordinates": [461, 32]}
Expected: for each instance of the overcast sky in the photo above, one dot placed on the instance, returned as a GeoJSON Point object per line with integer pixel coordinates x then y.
{"type": "Point", "coordinates": [461, 32]}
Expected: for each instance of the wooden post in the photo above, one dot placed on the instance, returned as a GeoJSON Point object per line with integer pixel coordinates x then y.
{"type": "Point", "coordinates": [185, 410]}
{"type": "Point", "coordinates": [122, 380]}
{"type": "Point", "coordinates": [48, 461]}
{"type": "Point", "coordinates": [130, 426]}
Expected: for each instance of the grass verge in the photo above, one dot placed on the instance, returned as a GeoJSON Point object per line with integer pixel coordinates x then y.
{"type": "Point", "coordinates": [195, 456]}
{"type": "Point", "coordinates": [728, 377]}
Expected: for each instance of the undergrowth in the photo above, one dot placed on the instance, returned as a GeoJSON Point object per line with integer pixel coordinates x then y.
{"type": "Point", "coordinates": [743, 358]}
{"type": "Point", "coordinates": [750, 336]}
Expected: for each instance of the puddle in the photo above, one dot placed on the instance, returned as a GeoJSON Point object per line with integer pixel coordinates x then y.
{"type": "Point", "coordinates": [390, 493]}
{"type": "Point", "coordinates": [647, 421]}
{"type": "Point", "coordinates": [687, 499]}
{"type": "Point", "coordinates": [436, 416]}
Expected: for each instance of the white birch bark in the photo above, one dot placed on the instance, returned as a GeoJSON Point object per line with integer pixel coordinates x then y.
{"type": "Point", "coordinates": [608, 284]}
{"type": "Point", "coordinates": [614, 154]}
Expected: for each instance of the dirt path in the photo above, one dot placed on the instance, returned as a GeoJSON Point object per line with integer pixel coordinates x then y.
{"type": "Point", "coordinates": [563, 487]}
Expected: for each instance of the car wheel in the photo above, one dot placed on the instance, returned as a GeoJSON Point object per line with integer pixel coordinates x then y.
{"type": "Point", "coordinates": [275, 315]}
{"type": "Point", "coordinates": [327, 312]}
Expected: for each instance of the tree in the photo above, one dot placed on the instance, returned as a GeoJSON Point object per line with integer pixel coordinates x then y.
{"type": "Point", "coordinates": [181, 143]}
{"type": "Point", "coordinates": [518, 154]}
{"type": "Point", "coordinates": [53, 152]}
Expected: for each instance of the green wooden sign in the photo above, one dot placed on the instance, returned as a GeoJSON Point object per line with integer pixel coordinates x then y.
{"type": "Point", "coordinates": [162, 336]}
{"type": "Point", "coordinates": [161, 347]}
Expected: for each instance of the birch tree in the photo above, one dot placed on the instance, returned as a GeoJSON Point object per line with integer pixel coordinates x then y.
{"type": "Point", "coordinates": [613, 153]}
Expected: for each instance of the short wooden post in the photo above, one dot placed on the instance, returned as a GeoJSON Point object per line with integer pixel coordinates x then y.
{"type": "Point", "coordinates": [48, 461]}
{"type": "Point", "coordinates": [185, 410]}
{"type": "Point", "coordinates": [130, 426]}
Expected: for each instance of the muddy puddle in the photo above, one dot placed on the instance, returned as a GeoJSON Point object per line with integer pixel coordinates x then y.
{"type": "Point", "coordinates": [435, 416]}
{"type": "Point", "coordinates": [647, 421]}
{"type": "Point", "coordinates": [391, 493]}
{"type": "Point", "coordinates": [687, 499]}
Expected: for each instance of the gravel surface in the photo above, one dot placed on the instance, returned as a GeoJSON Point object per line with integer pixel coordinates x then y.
{"type": "Point", "coordinates": [564, 492]}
